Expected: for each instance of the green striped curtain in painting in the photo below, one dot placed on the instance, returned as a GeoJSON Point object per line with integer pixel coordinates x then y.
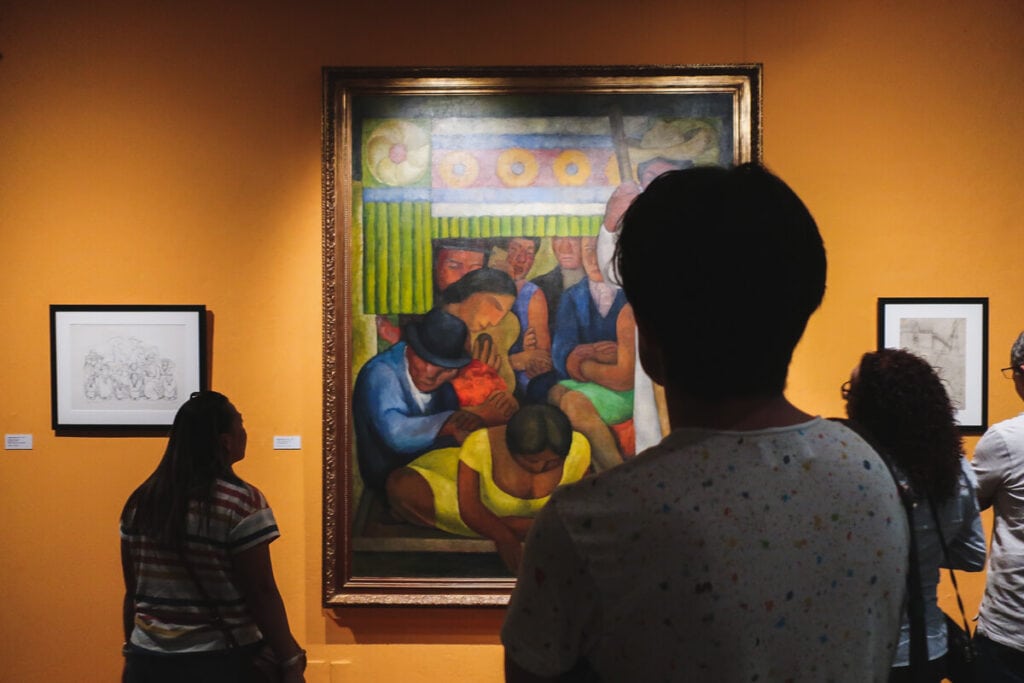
{"type": "Point", "coordinates": [398, 261]}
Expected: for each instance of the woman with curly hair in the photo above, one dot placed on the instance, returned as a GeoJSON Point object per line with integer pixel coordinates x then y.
{"type": "Point", "coordinates": [900, 401]}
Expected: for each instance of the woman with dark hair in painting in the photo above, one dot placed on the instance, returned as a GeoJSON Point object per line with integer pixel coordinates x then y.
{"type": "Point", "coordinates": [494, 485]}
{"type": "Point", "coordinates": [483, 300]}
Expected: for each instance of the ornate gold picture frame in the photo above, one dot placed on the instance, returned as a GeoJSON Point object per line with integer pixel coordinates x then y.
{"type": "Point", "coordinates": [419, 164]}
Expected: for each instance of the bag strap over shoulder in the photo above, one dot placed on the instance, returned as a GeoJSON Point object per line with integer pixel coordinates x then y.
{"type": "Point", "coordinates": [949, 566]}
{"type": "Point", "coordinates": [218, 620]}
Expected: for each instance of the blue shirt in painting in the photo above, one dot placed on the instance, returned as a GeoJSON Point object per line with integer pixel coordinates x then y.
{"type": "Point", "coordinates": [579, 322]}
{"type": "Point", "coordinates": [395, 423]}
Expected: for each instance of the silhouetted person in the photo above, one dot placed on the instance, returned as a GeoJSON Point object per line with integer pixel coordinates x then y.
{"type": "Point", "coordinates": [756, 541]}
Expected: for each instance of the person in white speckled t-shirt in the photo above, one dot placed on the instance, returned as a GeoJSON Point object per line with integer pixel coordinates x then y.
{"type": "Point", "coordinates": [756, 542]}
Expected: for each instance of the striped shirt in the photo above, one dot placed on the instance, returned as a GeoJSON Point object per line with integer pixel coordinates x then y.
{"type": "Point", "coordinates": [170, 613]}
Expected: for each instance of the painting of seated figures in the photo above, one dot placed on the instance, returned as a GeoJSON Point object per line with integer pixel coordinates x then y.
{"type": "Point", "coordinates": [491, 354]}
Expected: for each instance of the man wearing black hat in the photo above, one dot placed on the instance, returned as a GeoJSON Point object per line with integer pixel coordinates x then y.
{"type": "Point", "coordinates": [403, 404]}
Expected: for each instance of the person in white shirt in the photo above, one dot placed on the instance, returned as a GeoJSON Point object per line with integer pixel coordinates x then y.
{"type": "Point", "coordinates": [999, 466]}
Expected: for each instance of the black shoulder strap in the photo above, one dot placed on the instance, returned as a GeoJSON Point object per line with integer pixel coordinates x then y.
{"type": "Point", "coordinates": [949, 566]}
{"type": "Point", "coordinates": [915, 594]}
{"type": "Point", "coordinates": [229, 637]}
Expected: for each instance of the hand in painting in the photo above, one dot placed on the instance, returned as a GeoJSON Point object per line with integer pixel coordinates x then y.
{"type": "Point", "coordinates": [496, 409]}
{"type": "Point", "coordinates": [606, 352]}
{"type": "Point", "coordinates": [461, 424]}
{"type": "Point", "coordinates": [534, 361]}
{"type": "Point", "coordinates": [485, 352]}
{"type": "Point", "coordinates": [617, 204]}
{"type": "Point", "coordinates": [538, 362]}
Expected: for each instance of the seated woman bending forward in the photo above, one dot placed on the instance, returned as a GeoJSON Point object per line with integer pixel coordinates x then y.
{"type": "Point", "coordinates": [496, 483]}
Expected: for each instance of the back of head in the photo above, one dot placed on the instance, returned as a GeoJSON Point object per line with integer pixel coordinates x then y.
{"type": "Point", "coordinates": [536, 427]}
{"type": "Point", "coordinates": [902, 403]}
{"type": "Point", "coordinates": [1017, 352]}
{"type": "Point", "coordinates": [724, 267]}
{"type": "Point", "coordinates": [193, 459]}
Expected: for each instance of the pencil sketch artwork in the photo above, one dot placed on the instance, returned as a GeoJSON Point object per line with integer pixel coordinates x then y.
{"type": "Point", "coordinates": [942, 342]}
{"type": "Point", "coordinates": [119, 369]}
{"type": "Point", "coordinates": [481, 220]}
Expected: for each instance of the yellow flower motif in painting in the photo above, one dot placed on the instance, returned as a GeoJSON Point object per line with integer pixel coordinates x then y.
{"type": "Point", "coordinates": [459, 169]}
{"type": "Point", "coordinates": [517, 167]}
{"type": "Point", "coordinates": [397, 152]}
{"type": "Point", "coordinates": [572, 167]}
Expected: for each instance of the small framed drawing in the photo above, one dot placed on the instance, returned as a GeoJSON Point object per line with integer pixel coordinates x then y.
{"type": "Point", "coordinates": [124, 366]}
{"type": "Point", "coordinates": [952, 335]}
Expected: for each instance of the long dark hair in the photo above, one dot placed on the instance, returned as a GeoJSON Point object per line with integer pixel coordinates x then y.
{"type": "Point", "coordinates": [902, 403]}
{"type": "Point", "coordinates": [193, 460]}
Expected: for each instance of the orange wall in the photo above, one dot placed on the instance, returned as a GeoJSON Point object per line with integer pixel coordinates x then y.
{"type": "Point", "coordinates": [166, 152]}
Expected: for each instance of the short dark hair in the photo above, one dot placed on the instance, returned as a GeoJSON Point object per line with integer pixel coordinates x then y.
{"type": "Point", "coordinates": [481, 280]}
{"type": "Point", "coordinates": [724, 267]}
{"type": "Point", "coordinates": [538, 426]}
{"type": "Point", "coordinates": [1017, 353]}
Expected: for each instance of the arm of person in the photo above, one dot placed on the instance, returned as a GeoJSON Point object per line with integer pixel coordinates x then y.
{"type": "Point", "coordinates": [381, 395]}
{"type": "Point", "coordinates": [535, 358]}
{"type": "Point", "coordinates": [481, 520]}
{"type": "Point", "coordinates": [574, 361]}
{"type": "Point", "coordinates": [461, 424]}
{"type": "Point", "coordinates": [991, 460]}
{"type": "Point", "coordinates": [565, 335]}
{"type": "Point", "coordinates": [617, 375]}
{"type": "Point", "coordinates": [128, 608]}
{"type": "Point", "coordinates": [607, 236]}
{"type": "Point", "coordinates": [255, 574]}
{"type": "Point", "coordinates": [537, 320]}
{"type": "Point", "coordinates": [967, 547]}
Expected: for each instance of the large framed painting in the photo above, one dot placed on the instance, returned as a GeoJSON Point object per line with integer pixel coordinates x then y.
{"type": "Point", "coordinates": [478, 351]}
{"type": "Point", "coordinates": [124, 367]}
{"type": "Point", "coordinates": [952, 335]}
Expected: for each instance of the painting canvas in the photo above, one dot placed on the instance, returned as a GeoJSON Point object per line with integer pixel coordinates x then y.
{"type": "Point", "coordinates": [952, 335]}
{"type": "Point", "coordinates": [478, 351]}
{"type": "Point", "coordinates": [124, 366]}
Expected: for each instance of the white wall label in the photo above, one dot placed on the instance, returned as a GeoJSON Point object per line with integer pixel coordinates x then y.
{"type": "Point", "coordinates": [287, 443]}
{"type": "Point", "coordinates": [18, 442]}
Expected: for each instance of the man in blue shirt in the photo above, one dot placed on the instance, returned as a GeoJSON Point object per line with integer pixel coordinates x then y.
{"type": "Point", "coordinates": [403, 403]}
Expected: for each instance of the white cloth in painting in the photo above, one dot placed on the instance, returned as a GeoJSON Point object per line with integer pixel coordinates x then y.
{"type": "Point", "coordinates": [646, 422]}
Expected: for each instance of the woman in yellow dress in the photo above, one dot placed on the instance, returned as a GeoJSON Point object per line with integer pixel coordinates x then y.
{"type": "Point", "coordinates": [496, 482]}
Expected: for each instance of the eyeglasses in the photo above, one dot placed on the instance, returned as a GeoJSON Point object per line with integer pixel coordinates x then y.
{"type": "Point", "coordinates": [1009, 372]}
{"type": "Point", "coordinates": [844, 390]}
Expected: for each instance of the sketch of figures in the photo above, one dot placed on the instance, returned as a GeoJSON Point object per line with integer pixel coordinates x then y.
{"type": "Point", "coordinates": [127, 369]}
{"type": "Point", "coordinates": [942, 342]}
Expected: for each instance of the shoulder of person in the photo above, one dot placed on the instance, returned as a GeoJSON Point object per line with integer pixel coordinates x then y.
{"type": "Point", "coordinates": [241, 492]}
